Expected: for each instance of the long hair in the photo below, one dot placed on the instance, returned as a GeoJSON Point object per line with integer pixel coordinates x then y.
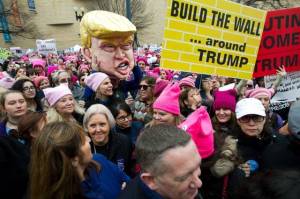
{"type": "Point", "coordinates": [18, 85]}
{"type": "Point", "coordinates": [51, 170]}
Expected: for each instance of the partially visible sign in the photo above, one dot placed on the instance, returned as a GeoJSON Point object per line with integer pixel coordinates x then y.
{"type": "Point", "coordinates": [31, 5]}
{"type": "Point", "coordinates": [212, 37]}
{"type": "Point", "coordinates": [288, 90]}
{"type": "Point", "coordinates": [47, 46]}
{"type": "Point", "coordinates": [280, 43]}
{"type": "Point", "coordinates": [4, 53]}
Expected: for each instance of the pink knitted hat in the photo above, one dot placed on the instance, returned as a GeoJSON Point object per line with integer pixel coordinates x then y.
{"type": "Point", "coordinates": [83, 66]}
{"type": "Point", "coordinates": [7, 82]}
{"type": "Point", "coordinates": [225, 99]}
{"type": "Point", "coordinates": [54, 94]}
{"type": "Point", "coordinates": [169, 99]}
{"type": "Point", "coordinates": [199, 126]}
{"type": "Point", "coordinates": [37, 80]}
{"type": "Point", "coordinates": [94, 80]}
{"type": "Point", "coordinates": [187, 81]}
{"type": "Point", "coordinates": [160, 85]}
{"type": "Point", "coordinates": [51, 69]}
{"type": "Point", "coordinates": [143, 59]}
{"type": "Point", "coordinates": [38, 62]}
{"type": "Point", "coordinates": [260, 91]}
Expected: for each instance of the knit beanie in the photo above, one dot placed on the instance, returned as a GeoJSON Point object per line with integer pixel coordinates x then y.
{"type": "Point", "coordinates": [187, 81]}
{"type": "Point", "coordinates": [169, 99]}
{"type": "Point", "coordinates": [54, 94]}
{"type": "Point", "coordinates": [260, 91]}
{"type": "Point", "coordinates": [83, 67]}
{"type": "Point", "coordinates": [94, 80]}
{"type": "Point", "coordinates": [7, 82]}
{"type": "Point", "coordinates": [38, 62]}
{"type": "Point", "coordinates": [199, 126]}
{"type": "Point", "coordinates": [225, 99]}
{"type": "Point", "coordinates": [160, 85]}
{"type": "Point", "coordinates": [37, 81]}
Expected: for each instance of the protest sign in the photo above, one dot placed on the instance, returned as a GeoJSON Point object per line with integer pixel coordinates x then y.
{"type": "Point", "coordinates": [4, 53]}
{"type": "Point", "coordinates": [280, 43]}
{"type": "Point", "coordinates": [46, 46]}
{"type": "Point", "coordinates": [288, 90]}
{"type": "Point", "coordinates": [212, 37]}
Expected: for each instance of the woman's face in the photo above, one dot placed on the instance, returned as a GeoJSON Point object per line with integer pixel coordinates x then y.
{"type": "Point", "coordinates": [65, 105]}
{"type": "Point", "coordinates": [29, 91]}
{"type": "Point", "coordinates": [124, 119]}
{"type": "Point", "coordinates": [194, 98]}
{"type": "Point", "coordinates": [98, 129]}
{"type": "Point", "coordinates": [252, 125]}
{"type": "Point", "coordinates": [21, 72]}
{"type": "Point", "coordinates": [163, 74]}
{"type": "Point", "coordinates": [163, 117]}
{"type": "Point", "coordinates": [265, 100]}
{"type": "Point", "coordinates": [142, 65]}
{"type": "Point", "coordinates": [106, 88]}
{"type": "Point", "coordinates": [86, 154]}
{"type": "Point", "coordinates": [223, 115]}
{"type": "Point", "coordinates": [44, 84]}
{"type": "Point", "coordinates": [207, 85]}
{"type": "Point", "coordinates": [15, 105]}
{"type": "Point", "coordinates": [145, 91]}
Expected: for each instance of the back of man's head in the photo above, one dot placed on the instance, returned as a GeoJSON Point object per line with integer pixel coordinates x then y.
{"type": "Point", "coordinates": [154, 141]}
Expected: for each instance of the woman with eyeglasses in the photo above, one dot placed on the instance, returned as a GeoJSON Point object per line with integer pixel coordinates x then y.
{"type": "Point", "coordinates": [254, 135]}
{"type": "Point", "coordinates": [102, 87]}
{"type": "Point", "coordinates": [142, 106]}
{"type": "Point", "coordinates": [124, 123]}
{"type": "Point", "coordinates": [29, 91]}
{"type": "Point", "coordinates": [99, 123]}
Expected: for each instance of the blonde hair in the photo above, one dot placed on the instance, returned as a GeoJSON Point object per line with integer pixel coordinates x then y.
{"type": "Point", "coordinates": [54, 116]}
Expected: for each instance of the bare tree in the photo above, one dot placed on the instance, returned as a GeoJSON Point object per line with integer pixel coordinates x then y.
{"type": "Point", "coordinates": [265, 4]}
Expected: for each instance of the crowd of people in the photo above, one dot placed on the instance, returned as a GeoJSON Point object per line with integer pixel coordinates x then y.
{"type": "Point", "coordinates": [108, 122]}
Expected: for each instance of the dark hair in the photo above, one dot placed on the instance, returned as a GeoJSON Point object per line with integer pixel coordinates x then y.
{"type": "Point", "coordinates": [31, 71]}
{"type": "Point", "coordinates": [18, 86]}
{"type": "Point", "coordinates": [51, 168]}
{"type": "Point", "coordinates": [29, 123]}
{"type": "Point", "coordinates": [154, 141]}
{"type": "Point", "coordinates": [149, 80]}
{"type": "Point", "coordinates": [117, 106]}
{"type": "Point", "coordinates": [277, 184]}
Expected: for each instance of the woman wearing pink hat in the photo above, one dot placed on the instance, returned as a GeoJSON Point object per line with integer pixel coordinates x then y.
{"type": "Point", "coordinates": [103, 89]}
{"type": "Point", "coordinates": [63, 106]}
{"type": "Point", "coordinates": [166, 109]}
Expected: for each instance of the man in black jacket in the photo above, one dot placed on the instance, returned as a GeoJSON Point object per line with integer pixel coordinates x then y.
{"type": "Point", "coordinates": [170, 165]}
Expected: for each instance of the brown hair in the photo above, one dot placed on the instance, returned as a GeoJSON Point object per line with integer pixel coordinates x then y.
{"type": "Point", "coordinates": [28, 124]}
{"type": "Point", "coordinates": [51, 170]}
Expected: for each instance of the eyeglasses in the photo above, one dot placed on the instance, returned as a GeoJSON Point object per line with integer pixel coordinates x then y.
{"type": "Point", "coordinates": [64, 80]}
{"type": "Point", "coordinates": [144, 87]}
{"type": "Point", "coordinates": [28, 88]}
{"type": "Point", "coordinates": [254, 118]}
{"type": "Point", "coordinates": [123, 118]}
{"type": "Point", "coordinates": [110, 48]}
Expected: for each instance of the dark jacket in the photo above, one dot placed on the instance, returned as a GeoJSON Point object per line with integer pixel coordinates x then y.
{"type": "Point", "coordinates": [286, 155]}
{"type": "Point", "coordinates": [132, 132]}
{"type": "Point", "coordinates": [3, 130]}
{"type": "Point", "coordinates": [118, 150]}
{"type": "Point", "coordinates": [105, 184]}
{"type": "Point", "coordinates": [14, 160]}
{"type": "Point", "coordinates": [136, 189]}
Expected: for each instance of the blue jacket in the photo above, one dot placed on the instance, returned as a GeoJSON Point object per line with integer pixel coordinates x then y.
{"type": "Point", "coordinates": [105, 184]}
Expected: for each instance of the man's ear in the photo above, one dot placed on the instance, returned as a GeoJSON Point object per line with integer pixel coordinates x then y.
{"type": "Point", "coordinates": [149, 180]}
{"type": "Point", "coordinates": [87, 54]}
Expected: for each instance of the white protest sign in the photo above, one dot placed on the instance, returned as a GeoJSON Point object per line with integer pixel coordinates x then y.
{"type": "Point", "coordinates": [46, 46]}
{"type": "Point", "coordinates": [288, 90]}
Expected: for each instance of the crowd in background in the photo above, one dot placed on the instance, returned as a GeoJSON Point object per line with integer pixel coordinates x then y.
{"type": "Point", "coordinates": [237, 135]}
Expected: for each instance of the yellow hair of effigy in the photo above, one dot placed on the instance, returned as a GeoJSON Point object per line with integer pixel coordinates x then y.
{"type": "Point", "coordinates": [104, 24]}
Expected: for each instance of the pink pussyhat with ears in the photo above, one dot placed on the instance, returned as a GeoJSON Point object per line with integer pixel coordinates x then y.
{"type": "Point", "coordinates": [169, 99]}
{"type": "Point", "coordinates": [260, 91]}
{"type": "Point", "coordinates": [199, 126]}
{"type": "Point", "coordinates": [54, 94]}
